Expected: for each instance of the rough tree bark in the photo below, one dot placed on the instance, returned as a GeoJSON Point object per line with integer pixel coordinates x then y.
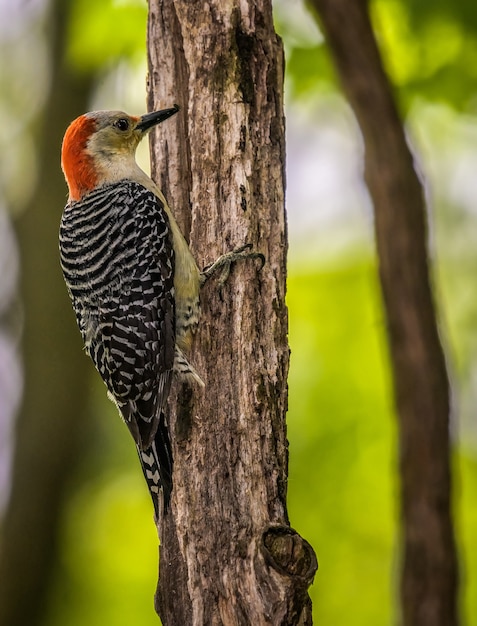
{"type": "Point", "coordinates": [228, 555]}
{"type": "Point", "coordinates": [429, 569]}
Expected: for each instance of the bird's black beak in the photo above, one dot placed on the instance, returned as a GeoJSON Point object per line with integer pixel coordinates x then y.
{"type": "Point", "coordinates": [152, 119]}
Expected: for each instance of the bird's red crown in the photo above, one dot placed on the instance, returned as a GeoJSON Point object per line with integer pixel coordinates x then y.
{"type": "Point", "coordinates": [77, 164]}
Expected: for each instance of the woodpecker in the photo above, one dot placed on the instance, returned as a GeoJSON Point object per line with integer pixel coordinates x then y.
{"type": "Point", "coordinates": [132, 279]}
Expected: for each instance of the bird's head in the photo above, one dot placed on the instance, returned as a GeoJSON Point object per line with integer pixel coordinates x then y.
{"type": "Point", "coordinates": [100, 147]}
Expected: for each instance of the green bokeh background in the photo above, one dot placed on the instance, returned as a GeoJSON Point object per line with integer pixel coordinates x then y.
{"type": "Point", "coordinates": [343, 480]}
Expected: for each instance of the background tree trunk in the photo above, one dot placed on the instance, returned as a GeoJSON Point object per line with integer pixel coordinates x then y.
{"type": "Point", "coordinates": [429, 569]}
{"type": "Point", "coordinates": [52, 419]}
{"type": "Point", "coordinates": [228, 555]}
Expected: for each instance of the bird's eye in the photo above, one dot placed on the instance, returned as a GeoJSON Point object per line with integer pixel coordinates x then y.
{"type": "Point", "coordinates": [122, 124]}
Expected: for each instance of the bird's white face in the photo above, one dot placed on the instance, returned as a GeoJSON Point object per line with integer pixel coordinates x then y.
{"type": "Point", "coordinates": [116, 134]}
{"type": "Point", "coordinates": [112, 146]}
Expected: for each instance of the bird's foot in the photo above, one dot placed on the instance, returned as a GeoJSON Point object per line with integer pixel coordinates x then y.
{"type": "Point", "coordinates": [224, 263]}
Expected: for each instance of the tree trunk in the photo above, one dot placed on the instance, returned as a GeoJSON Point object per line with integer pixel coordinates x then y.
{"type": "Point", "coordinates": [228, 555]}
{"type": "Point", "coordinates": [429, 570]}
{"type": "Point", "coordinates": [51, 423]}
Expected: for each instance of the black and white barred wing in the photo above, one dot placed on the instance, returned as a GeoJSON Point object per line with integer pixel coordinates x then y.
{"type": "Point", "coordinates": [141, 336]}
{"type": "Point", "coordinates": [118, 263]}
{"type": "Point", "coordinates": [140, 358]}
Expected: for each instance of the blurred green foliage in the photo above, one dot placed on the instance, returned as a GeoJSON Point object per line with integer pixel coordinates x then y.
{"type": "Point", "coordinates": [429, 50]}
{"type": "Point", "coordinates": [102, 33]}
{"type": "Point", "coordinates": [343, 489]}
{"type": "Point", "coordinates": [342, 481]}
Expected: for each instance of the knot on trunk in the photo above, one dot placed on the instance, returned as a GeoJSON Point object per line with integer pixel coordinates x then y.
{"type": "Point", "coordinates": [289, 554]}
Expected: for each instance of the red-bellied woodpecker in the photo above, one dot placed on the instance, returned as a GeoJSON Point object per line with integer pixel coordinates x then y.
{"type": "Point", "coordinates": [132, 279]}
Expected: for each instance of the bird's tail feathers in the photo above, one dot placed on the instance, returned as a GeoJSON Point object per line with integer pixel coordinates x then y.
{"type": "Point", "coordinates": [157, 463]}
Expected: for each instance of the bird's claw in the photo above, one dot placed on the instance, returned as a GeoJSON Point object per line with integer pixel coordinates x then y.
{"type": "Point", "coordinates": [224, 263]}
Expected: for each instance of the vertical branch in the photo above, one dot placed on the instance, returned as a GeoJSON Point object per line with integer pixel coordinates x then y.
{"type": "Point", "coordinates": [228, 555]}
{"type": "Point", "coordinates": [429, 573]}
